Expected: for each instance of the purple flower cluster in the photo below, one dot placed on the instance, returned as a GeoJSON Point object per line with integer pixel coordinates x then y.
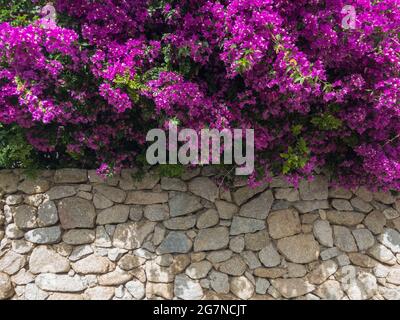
{"type": "Point", "coordinates": [318, 95]}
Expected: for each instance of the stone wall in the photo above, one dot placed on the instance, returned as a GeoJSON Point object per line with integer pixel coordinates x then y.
{"type": "Point", "coordinates": [69, 235]}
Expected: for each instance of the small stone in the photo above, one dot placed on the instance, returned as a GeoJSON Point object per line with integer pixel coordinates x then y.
{"type": "Point", "coordinates": [310, 206]}
{"type": "Point", "coordinates": [270, 273]}
{"type": "Point", "coordinates": [63, 249]}
{"type": "Point", "coordinates": [329, 253]}
{"type": "Point", "coordinates": [292, 288]}
{"type": "Point", "coordinates": [6, 287]}
{"type": "Point", "coordinates": [251, 259]}
{"type": "Point", "coordinates": [114, 215]}
{"type": "Point", "coordinates": [136, 289]}
{"type": "Point", "coordinates": [262, 286]}
{"type": "Point", "coordinates": [219, 256]}
{"type": "Point", "coordinates": [70, 176]}
{"type": "Point", "coordinates": [114, 278]}
{"type": "Point", "coordinates": [322, 272]}
{"type": "Point", "coordinates": [47, 214]}
{"type": "Point", "coordinates": [101, 202]}
{"type": "Point", "coordinates": [80, 252]}
{"type": "Point", "coordinates": [85, 195]}
{"type": "Point", "coordinates": [14, 199]}
{"type": "Point", "coordinates": [103, 239]}
{"type": "Point", "coordinates": [342, 205]}
{"type": "Point", "coordinates": [60, 283]}
{"type": "Point", "coordinates": [384, 197]}
{"type": "Point", "coordinates": [12, 262]}
{"type": "Point", "coordinates": [180, 263]}
{"type": "Point", "coordinates": [391, 294]}
{"type": "Point", "coordinates": [208, 219]}
{"type": "Point", "coordinates": [219, 282]}
{"type": "Point", "coordinates": [288, 194]}
{"type": "Point", "coordinates": [173, 184]}
{"type": "Point", "coordinates": [136, 213]}
{"type": "Point", "coordinates": [259, 207]}
{"type": "Point", "coordinates": [199, 270]}
{"type": "Point", "coordinates": [396, 224]}
{"type": "Point", "coordinates": [76, 213]}
{"type": "Point", "coordinates": [364, 239]}
{"type": "Point", "coordinates": [211, 239]}
{"type": "Point", "coordinates": [21, 246]}
{"type": "Point", "coordinates": [35, 186]}
{"type": "Point", "coordinates": [100, 293]}
{"type": "Point", "coordinates": [45, 260]}
{"type": "Point", "coordinates": [242, 225]}
{"type": "Point", "coordinates": [25, 217]}
{"type": "Point", "coordinates": [35, 200]}
{"type": "Point", "coordinates": [182, 204]}
{"type": "Point", "coordinates": [163, 290]}
{"type": "Point", "coordinates": [296, 270]}
{"type": "Point", "coordinates": [381, 271]}
{"type": "Point", "coordinates": [8, 182]}
{"type": "Point", "coordinates": [61, 192]}
{"type": "Point", "coordinates": [146, 198]}
{"type": "Point", "coordinates": [156, 212]}
{"type": "Point", "coordinates": [226, 210]}
{"type": "Point", "coordinates": [33, 292]}
{"type": "Point", "coordinates": [390, 238]}
{"type": "Point", "coordinates": [256, 241]}
{"type": "Point", "coordinates": [394, 276]}
{"type": "Point", "coordinates": [375, 222]}
{"type": "Point", "coordinates": [284, 223]}
{"type": "Point", "coordinates": [165, 260]}
{"type": "Point", "coordinates": [269, 256]}
{"type": "Point", "coordinates": [180, 223]}
{"type": "Point", "coordinates": [316, 189]}
{"type": "Point", "coordinates": [343, 260]}
{"type": "Point", "coordinates": [175, 242]}
{"type": "Point", "coordinates": [364, 194]}
{"type": "Point", "coordinates": [147, 182]}
{"type": "Point", "coordinates": [360, 205]}
{"type": "Point", "coordinates": [23, 277]}
{"type": "Point", "coordinates": [344, 239]}
{"type": "Point", "coordinates": [391, 214]}
{"type": "Point", "coordinates": [79, 236]}
{"type": "Point", "coordinates": [365, 287]}
{"type": "Point", "coordinates": [205, 188]}
{"type": "Point", "coordinates": [111, 193]}
{"type": "Point", "coordinates": [244, 194]}
{"type": "Point", "coordinates": [157, 273]}
{"type": "Point", "coordinates": [234, 266]}
{"type": "Point", "coordinates": [187, 289]}
{"type": "Point", "coordinates": [330, 290]}
{"type": "Point", "coordinates": [158, 235]}
{"type": "Point", "coordinates": [131, 235]}
{"type": "Point", "coordinates": [345, 218]}
{"type": "Point", "coordinates": [129, 262]}
{"type": "Point", "coordinates": [44, 235]}
{"type": "Point", "coordinates": [362, 260]}
{"type": "Point", "coordinates": [93, 265]}
{"type": "Point", "coordinates": [340, 193]}
{"type": "Point", "coordinates": [323, 232]}
{"type": "Point", "coordinates": [309, 248]}
{"type": "Point", "coordinates": [382, 254]}
{"type": "Point", "coordinates": [242, 288]}
{"type": "Point", "coordinates": [236, 244]}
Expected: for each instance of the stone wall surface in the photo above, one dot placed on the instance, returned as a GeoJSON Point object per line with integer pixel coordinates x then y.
{"type": "Point", "coordinates": [67, 234]}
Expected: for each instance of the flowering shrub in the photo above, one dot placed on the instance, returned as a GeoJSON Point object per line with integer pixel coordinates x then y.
{"type": "Point", "coordinates": [85, 91]}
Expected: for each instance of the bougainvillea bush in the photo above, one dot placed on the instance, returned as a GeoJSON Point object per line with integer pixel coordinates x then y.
{"type": "Point", "coordinates": [85, 90]}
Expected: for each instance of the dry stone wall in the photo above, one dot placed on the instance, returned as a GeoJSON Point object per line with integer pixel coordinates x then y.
{"type": "Point", "coordinates": [69, 235]}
